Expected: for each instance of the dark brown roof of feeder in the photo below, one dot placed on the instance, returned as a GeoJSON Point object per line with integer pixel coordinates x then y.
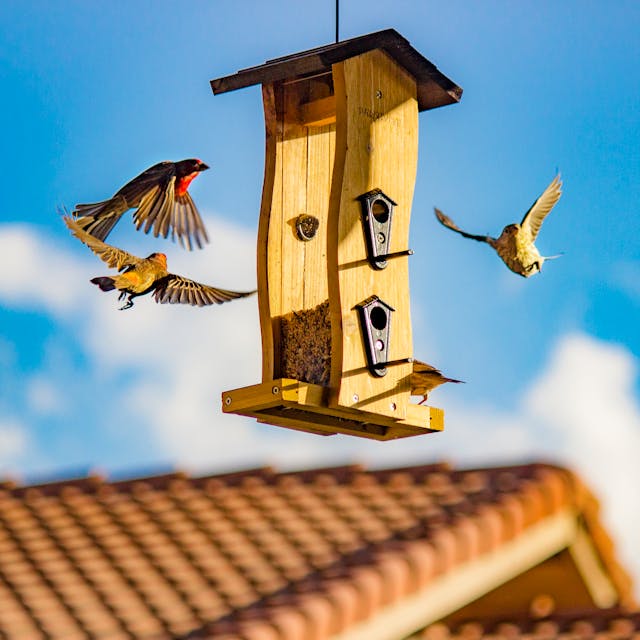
{"type": "Point", "coordinates": [434, 88]}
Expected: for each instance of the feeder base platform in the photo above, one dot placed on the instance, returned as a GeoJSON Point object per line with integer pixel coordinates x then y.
{"type": "Point", "coordinates": [304, 407]}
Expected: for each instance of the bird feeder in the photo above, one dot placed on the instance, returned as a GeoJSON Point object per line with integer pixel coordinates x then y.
{"type": "Point", "coordinates": [333, 276]}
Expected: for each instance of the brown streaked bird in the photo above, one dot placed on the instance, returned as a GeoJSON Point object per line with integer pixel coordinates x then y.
{"type": "Point", "coordinates": [162, 204]}
{"type": "Point", "coordinates": [516, 242]}
{"type": "Point", "coordinates": [139, 276]}
{"type": "Point", "coordinates": [425, 378]}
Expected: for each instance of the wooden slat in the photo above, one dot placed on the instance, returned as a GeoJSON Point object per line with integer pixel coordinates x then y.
{"type": "Point", "coordinates": [298, 170]}
{"type": "Point", "coordinates": [377, 135]}
{"type": "Point", "coordinates": [430, 417]}
{"type": "Point", "coordinates": [318, 112]}
{"type": "Point", "coordinates": [293, 175]}
{"type": "Point", "coordinates": [270, 192]}
{"type": "Point", "coordinates": [318, 180]}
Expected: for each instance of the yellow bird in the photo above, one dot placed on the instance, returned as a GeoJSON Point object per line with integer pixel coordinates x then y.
{"type": "Point", "coordinates": [516, 242]}
{"type": "Point", "coordinates": [139, 276]}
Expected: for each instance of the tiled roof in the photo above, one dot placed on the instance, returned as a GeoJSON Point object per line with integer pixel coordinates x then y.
{"type": "Point", "coordinates": [596, 624]}
{"type": "Point", "coordinates": [258, 554]}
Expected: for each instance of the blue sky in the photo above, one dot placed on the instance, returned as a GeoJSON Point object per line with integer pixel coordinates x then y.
{"type": "Point", "coordinates": [93, 93]}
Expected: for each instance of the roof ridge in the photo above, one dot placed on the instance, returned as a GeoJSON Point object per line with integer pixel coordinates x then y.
{"type": "Point", "coordinates": [95, 480]}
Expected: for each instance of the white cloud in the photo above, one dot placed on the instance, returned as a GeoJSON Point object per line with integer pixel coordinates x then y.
{"type": "Point", "coordinates": [13, 444]}
{"type": "Point", "coordinates": [33, 273]}
{"type": "Point", "coordinates": [586, 400]}
{"type": "Point", "coordinates": [43, 397]}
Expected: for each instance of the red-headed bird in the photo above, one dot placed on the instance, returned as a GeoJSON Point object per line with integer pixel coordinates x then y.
{"type": "Point", "coordinates": [139, 276]}
{"type": "Point", "coordinates": [161, 200]}
{"type": "Point", "coordinates": [516, 242]}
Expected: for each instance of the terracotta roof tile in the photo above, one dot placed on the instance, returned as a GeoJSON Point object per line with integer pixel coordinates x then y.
{"type": "Point", "coordinates": [258, 554]}
{"type": "Point", "coordinates": [601, 624]}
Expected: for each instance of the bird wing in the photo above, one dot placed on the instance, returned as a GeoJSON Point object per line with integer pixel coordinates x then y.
{"type": "Point", "coordinates": [423, 367]}
{"type": "Point", "coordinates": [114, 257]}
{"type": "Point", "coordinates": [162, 211]}
{"type": "Point", "coordinates": [99, 218]}
{"type": "Point", "coordinates": [450, 224]}
{"type": "Point", "coordinates": [156, 176]}
{"type": "Point", "coordinates": [173, 289]}
{"type": "Point", "coordinates": [187, 222]}
{"type": "Point", "coordinates": [423, 373]}
{"type": "Point", "coordinates": [154, 210]}
{"type": "Point", "coordinates": [539, 210]}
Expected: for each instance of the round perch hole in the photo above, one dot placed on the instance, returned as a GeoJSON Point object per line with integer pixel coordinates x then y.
{"type": "Point", "coordinates": [378, 318]}
{"type": "Point", "coordinates": [380, 211]}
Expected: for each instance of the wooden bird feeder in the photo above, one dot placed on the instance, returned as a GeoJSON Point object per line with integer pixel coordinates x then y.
{"type": "Point", "coordinates": [333, 278]}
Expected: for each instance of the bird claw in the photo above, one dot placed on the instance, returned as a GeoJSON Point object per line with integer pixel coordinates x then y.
{"type": "Point", "coordinates": [126, 306]}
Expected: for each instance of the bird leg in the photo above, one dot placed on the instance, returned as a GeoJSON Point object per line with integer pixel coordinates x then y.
{"type": "Point", "coordinates": [424, 399]}
{"type": "Point", "coordinates": [128, 305]}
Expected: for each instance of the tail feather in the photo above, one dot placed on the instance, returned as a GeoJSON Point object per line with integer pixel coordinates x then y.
{"type": "Point", "coordinates": [105, 283]}
{"type": "Point", "coordinates": [99, 218]}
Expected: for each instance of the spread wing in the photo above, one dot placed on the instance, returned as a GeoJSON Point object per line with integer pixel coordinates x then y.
{"type": "Point", "coordinates": [154, 177]}
{"type": "Point", "coordinates": [154, 210]}
{"type": "Point", "coordinates": [99, 218]}
{"type": "Point", "coordinates": [173, 289]}
{"type": "Point", "coordinates": [539, 210]}
{"type": "Point", "coordinates": [187, 222]}
{"type": "Point", "coordinates": [450, 224]}
{"type": "Point", "coordinates": [163, 212]}
{"type": "Point", "coordinates": [114, 257]}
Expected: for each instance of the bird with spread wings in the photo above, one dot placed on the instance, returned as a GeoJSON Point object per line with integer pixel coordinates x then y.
{"type": "Point", "coordinates": [516, 244]}
{"type": "Point", "coordinates": [161, 201]}
{"type": "Point", "coordinates": [140, 276]}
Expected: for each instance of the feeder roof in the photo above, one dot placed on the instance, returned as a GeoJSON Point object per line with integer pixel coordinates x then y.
{"type": "Point", "coordinates": [434, 88]}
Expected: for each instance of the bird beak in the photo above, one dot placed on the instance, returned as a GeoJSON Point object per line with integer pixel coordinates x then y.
{"type": "Point", "coordinates": [203, 167]}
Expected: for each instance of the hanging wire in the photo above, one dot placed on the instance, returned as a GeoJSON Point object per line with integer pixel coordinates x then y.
{"type": "Point", "coordinates": [337, 20]}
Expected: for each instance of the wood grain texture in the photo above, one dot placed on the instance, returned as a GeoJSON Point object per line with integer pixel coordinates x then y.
{"type": "Point", "coordinates": [302, 406]}
{"type": "Point", "coordinates": [268, 196]}
{"type": "Point", "coordinates": [292, 274]}
{"type": "Point", "coordinates": [319, 112]}
{"type": "Point", "coordinates": [377, 147]}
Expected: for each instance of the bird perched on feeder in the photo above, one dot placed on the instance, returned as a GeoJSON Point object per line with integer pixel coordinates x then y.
{"type": "Point", "coordinates": [425, 378]}
{"type": "Point", "coordinates": [516, 242]}
{"type": "Point", "coordinates": [161, 200]}
{"type": "Point", "coordinates": [140, 276]}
